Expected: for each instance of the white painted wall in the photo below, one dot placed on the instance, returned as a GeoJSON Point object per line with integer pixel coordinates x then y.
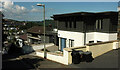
{"type": "Point", "coordinates": [76, 36]}
{"type": "Point", "coordinates": [89, 37]}
{"type": "Point", "coordinates": [97, 36]}
{"type": "Point", "coordinates": [112, 36]}
{"type": "Point", "coordinates": [61, 59]}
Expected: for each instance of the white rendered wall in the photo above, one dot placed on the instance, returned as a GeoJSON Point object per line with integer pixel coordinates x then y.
{"type": "Point", "coordinates": [76, 36]}
{"type": "Point", "coordinates": [112, 36]}
{"type": "Point", "coordinates": [97, 36]}
{"type": "Point", "coordinates": [89, 37]}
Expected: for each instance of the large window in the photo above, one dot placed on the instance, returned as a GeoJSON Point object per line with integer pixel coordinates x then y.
{"type": "Point", "coordinates": [66, 24]}
{"type": "Point", "coordinates": [74, 24]}
{"type": "Point", "coordinates": [99, 24]}
{"type": "Point", "coordinates": [70, 24]}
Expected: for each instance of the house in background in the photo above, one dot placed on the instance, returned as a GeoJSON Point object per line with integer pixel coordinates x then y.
{"type": "Point", "coordinates": [35, 35]}
{"type": "Point", "coordinates": [81, 28]}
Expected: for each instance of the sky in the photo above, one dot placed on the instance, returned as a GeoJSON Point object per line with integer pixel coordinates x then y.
{"type": "Point", "coordinates": [28, 11]}
{"type": "Point", "coordinates": [64, 0]}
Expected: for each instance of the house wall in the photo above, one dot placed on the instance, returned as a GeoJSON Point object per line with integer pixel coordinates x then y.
{"type": "Point", "coordinates": [114, 23]}
{"type": "Point", "coordinates": [79, 26]}
{"type": "Point", "coordinates": [89, 37]}
{"type": "Point", "coordinates": [48, 38]}
{"type": "Point", "coordinates": [88, 24]}
{"type": "Point", "coordinates": [78, 37]}
{"type": "Point", "coordinates": [98, 36]}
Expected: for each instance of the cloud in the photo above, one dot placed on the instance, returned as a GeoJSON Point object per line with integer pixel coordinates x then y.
{"type": "Point", "coordinates": [16, 9]}
{"type": "Point", "coordinates": [35, 10]}
{"type": "Point", "coordinates": [17, 12]}
{"type": "Point", "coordinates": [13, 11]}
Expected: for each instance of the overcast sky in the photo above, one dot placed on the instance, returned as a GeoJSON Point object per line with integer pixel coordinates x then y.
{"type": "Point", "coordinates": [28, 11]}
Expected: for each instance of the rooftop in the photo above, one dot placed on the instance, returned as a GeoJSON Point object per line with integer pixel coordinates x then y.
{"type": "Point", "coordinates": [38, 29]}
{"type": "Point", "coordinates": [84, 13]}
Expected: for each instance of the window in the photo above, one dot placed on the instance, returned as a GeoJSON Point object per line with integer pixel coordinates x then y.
{"type": "Point", "coordinates": [71, 43]}
{"type": "Point", "coordinates": [70, 24]}
{"type": "Point", "coordinates": [99, 41]}
{"type": "Point", "coordinates": [66, 24]}
{"type": "Point", "coordinates": [99, 24]}
{"type": "Point", "coordinates": [74, 24]}
{"type": "Point", "coordinates": [91, 41]}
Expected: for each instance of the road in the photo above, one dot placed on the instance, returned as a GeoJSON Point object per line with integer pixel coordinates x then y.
{"type": "Point", "coordinates": [28, 62]}
{"type": "Point", "coordinates": [31, 61]}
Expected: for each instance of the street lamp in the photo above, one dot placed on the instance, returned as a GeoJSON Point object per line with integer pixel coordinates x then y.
{"type": "Point", "coordinates": [44, 28]}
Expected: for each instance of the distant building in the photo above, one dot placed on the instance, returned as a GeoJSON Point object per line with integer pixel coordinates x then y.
{"type": "Point", "coordinates": [81, 28]}
{"type": "Point", "coordinates": [35, 35]}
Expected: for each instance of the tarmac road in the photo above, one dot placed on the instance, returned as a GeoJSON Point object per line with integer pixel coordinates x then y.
{"type": "Point", "coordinates": [31, 62]}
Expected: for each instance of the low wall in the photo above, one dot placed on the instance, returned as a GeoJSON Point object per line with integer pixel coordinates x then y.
{"type": "Point", "coordinates": [98, 49]}
{"type": "Point", "coordinates": [61, 59]}
{"type": "Point", "coordinates": [119, 44]}
{"type": "Point", "coordinates": [69, 51]}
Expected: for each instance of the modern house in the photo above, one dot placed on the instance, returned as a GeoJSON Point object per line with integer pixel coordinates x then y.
{"type": "Point", "coordinates": [35, 35]}
{"type": "Point", "coordinates": [80, 28]}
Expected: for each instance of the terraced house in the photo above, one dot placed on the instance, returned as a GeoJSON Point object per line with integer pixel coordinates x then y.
{"type": "Point", "coordinates": [81, 28]}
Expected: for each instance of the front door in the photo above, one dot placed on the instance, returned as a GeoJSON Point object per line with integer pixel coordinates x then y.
{"type": "Point", "coordinates": [63, 43]}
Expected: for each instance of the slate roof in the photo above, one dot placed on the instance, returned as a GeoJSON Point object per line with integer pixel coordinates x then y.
{"type": "Point", "coordinates": [24, 36]}
{"type": "Point", "coordinates": [39, 30]}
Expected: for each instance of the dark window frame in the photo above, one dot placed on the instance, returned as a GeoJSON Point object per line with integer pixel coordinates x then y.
{"type": "Point", "coordinates": [91, 41]}
{"type": "Point", "coordinates": [99, 24]}
{"type": "Point", "coordinates": [74, 23]}
{"type": "Point", "coordinates": [70, 24]}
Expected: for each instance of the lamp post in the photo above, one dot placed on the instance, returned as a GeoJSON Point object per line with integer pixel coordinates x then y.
{"type": "Point", "coordinates": [44, 28]}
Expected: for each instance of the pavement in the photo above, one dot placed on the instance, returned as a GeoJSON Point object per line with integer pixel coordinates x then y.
{"type": "Point", "coordinates": [28, 62]}
{"type": "Point", "coordinates": [32, 62]}
{"type": "Point", "coordinates": [41, 46]}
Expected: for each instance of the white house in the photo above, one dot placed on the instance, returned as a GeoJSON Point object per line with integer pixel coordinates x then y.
{"type": "Point", "coordinates": [81, 28]}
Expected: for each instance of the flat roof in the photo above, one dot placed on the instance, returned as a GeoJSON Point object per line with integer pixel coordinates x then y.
{"type": "Point", "coordinates": [83, 13]}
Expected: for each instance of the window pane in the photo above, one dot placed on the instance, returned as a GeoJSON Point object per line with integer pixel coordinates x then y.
{"type": "Point", "coordinates": [96, 24]}
{"type": "Point", "coordinates": [74, 24]}
{"type": "Point", "coordinates": [70, 24]}
{"type": "Point", "coordinates": [66, 24]}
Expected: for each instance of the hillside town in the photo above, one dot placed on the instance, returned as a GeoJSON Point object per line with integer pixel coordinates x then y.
{"type": "Point", "coordinates": [67, 40]}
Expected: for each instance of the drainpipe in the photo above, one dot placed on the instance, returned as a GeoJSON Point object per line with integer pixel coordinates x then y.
{"type": "Point", "coordinates": [58, 37]}
{"type": "Point", "coordinates": [84, 33]}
